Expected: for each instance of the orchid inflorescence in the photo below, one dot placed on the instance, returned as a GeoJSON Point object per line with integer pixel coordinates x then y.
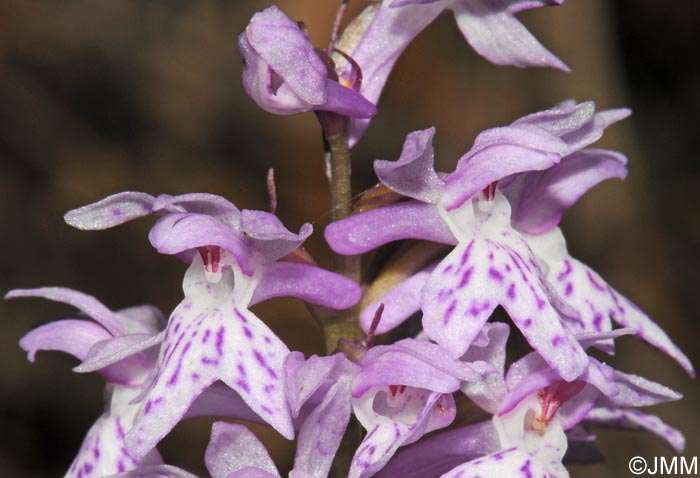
{"type": "Point", "coordinates": [482, 236]}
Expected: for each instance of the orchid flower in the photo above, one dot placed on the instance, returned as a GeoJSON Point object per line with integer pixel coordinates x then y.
{"type": "Point", "coordinates": [491, 263]}
{"type": "Point", "coordinates": [212, 335]}
{"type": "Point", "coordinates": [377, 37]}
{"type": "Point", "coordinates": [534, 411]}
{"type": "Point", "coordinates": [284, 74]}
{"type": "Point", "coordinates": [119, 346]}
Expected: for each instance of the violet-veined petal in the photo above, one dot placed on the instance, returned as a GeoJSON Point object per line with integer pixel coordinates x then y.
{"type": "Point", "coordinates": [393, 422]}
{"type": "Point", "coordinates": [323, 430]}
{"type": "Point", "coordinates": [233, 447]}
{"type": "Point", "coordinates": [103, 451]}
{"type": "Point", "coordinates": [477, 276]}
{"type": "Point", "coordinates": [219, 400]}
{"type": "Point", "coordinates": [87, 304]}
{"type": "Point", "coordinates": [209, 338]}
{"type": "Point", "coordinates": [612, 417]}
{"type": "Point", "coordinates": [636, 391]}
{"type": "Point", "coordinates": [308, 283]}
{"type": "Point", "coordinates": [155, 471]}
{"type": "Point", "coordinates": [413, 174]}
{"type": "Point", "coordinates": [499, 37]}
{"type": "Point", "coordinates": [586, 291]}
{"type": "Point", "coordinates": [110, 211]}
{"type": "Point", "coordinates": [75, 337]}
{"type": "Point", "coordinates": [510, 462]}
{"type": "Point", "coordinates": [407, 220]}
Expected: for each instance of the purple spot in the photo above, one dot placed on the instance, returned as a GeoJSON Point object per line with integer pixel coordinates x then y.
{"type": "Point", "coordinates": [147, 408]}
{"type": "Point", "coordinates": [116, 212]}
{"type": "Point", "coordinates": [465, 278]}
{"type": "Point", "coordinates": [474, 309]}
{"type": "Point", "coordinates": [269, 388]}
{"type": "Point", "coordinates": [569, 289]}
{"type": "Point", "coordinates": [511, 291]}
{"type": "Point", "coordinates": [448, 268]}
{"type": "Point", "coordinates": [565, 272]}
{"type": "Point", "coordinates": [241, 369]}
{"type": "Point", "coordinates": [177, 327]}
{"type": "Point", "coordinates": [220, 341]}
{"type": "Point", "coordinates": [96, 453]}
{"type": "Point", "coordinates": [247, 332]}
{"type": "Point", "coordinates": [490, 255]}
{"type": "Point", "coordinates": [371, 450]}
{"type": "Point", "coordinates": [466, 254]}
{"type": "Point", "coordinates": [495, 274]}
{"type": "Point", "coordinates": [120, 429]}
{"type": "Point", "coordinates": [598, 321]}
{"type": "Point", "coordinates": [266, 409]}
{"type": "Point", "coordinates": [258, 356]}
{"type": "Point", "coordinates": [267, 340]}
{"type": "Point", "coordinates": [88, 468]}
{"type": "Point", "coordinates": [210, 361]}
{"type": "Point", "coordinates": [195, 376]}
{"type": "Point", "coordinates": [594, 282]}
{"type": "Point", "coordinates": [187, 305]}
{"type": "Point", "coordinates": [206, 335]}
{"type": "Point", "coordinates": [243, 384]}
{"type": "Point", "coordinates": [173, 377]}
{"type": "Point", "coordinates": [525, 469]}
{"type": "Point", "coordinates": [241, 316]}
{"type": "Point", "coordinates": [120, 467]}
{"type": "Point", "coordinates": [448, 313]}
{"type": "Point", "coordinates": [527, 323]}
{"type": "Point", "coordinates": [557, 340]}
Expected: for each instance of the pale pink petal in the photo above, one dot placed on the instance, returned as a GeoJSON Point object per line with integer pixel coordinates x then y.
{"type": "Point", "coordinates": [110, 211]}
{"type": "Point", "coordinates": [232, 448]}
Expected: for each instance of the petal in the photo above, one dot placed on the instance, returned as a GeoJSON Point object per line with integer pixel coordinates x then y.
{"type": "Point", "coordinates": [414, 363]}
{"type": "Point", "coordinates": [87, 304]}
{"type": "Point", "coordinates": [488, 392]}
{"type": "Point", "coordinates": [178, 232]}
{"type": "Point", "coordinates": [119, 359]}
{"type": "Point", "coordinates": [439, 453]}
{"type": "Point", "coordinates": [540, 198]}
{"type": "Point", "coordinates": [406, 424]}
{"type": "Point", "coordinates": [596, 301]}
{"type": "Point", "coordinates": [636, 391]}
{"type": "Point", "coordinates": [232, 448]}
{"type": "Point", "coordinates": [406, 220]}
{"type": "Point", "coordinates": [285, 47]}
{"type": "Point", "coordinates": [497, 153]}
{"type": "Point", "coordinates": [413, 175]}
{"type": "Point", "coordinates": [347, 102]}
{"type": "Point", "coordinates": [110, 211]}
{"type": "Point", "coordinates": [103, 452]}
{"type": "Point", "coordinates": [400, 303]}
{"type": "Point", "coordinates": [608, 417]}
{"type": "Point", "coordinates": [304, 377]}
{"type": "Point", "coordinates": [511, 462]}
{"type": "Point", "coordinates": [308, 283]}
{"type": "Point", "coordinates": [209, 338]}
{"type": "Point", "coordinates": [75, 337]}
{"type": "Point", "coordinates": [270, 239]}
{"type": "Point", "coordinates": [499, 37]}
{"type": "Point", "coordinates": [201, 203]}
{"type": "Point", "coordinates": [218, 400]}
{"type": "Point", "coordinates": [141, 319]}
{"type": "Point", "coordinates": [375, 41]}
{"type": "Point", "coordinates": [323, 430]}
{"type": "Point", "coordinates": [264, 86]}
{"type": "Point", "coordinates": [155, 471]}
{"type": "Point", "coordinates": [477, 276]}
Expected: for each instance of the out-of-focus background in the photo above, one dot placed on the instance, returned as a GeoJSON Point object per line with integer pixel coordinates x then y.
{"type": "Point", "coordinates": [101, 97]}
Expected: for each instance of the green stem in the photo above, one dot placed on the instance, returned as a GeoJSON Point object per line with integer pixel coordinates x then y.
{"type": "Point", "coordinates": [345, 324]}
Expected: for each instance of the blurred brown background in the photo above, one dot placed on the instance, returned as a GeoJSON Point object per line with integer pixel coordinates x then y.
{"type": "Point", "coordinates": [100, 97]}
